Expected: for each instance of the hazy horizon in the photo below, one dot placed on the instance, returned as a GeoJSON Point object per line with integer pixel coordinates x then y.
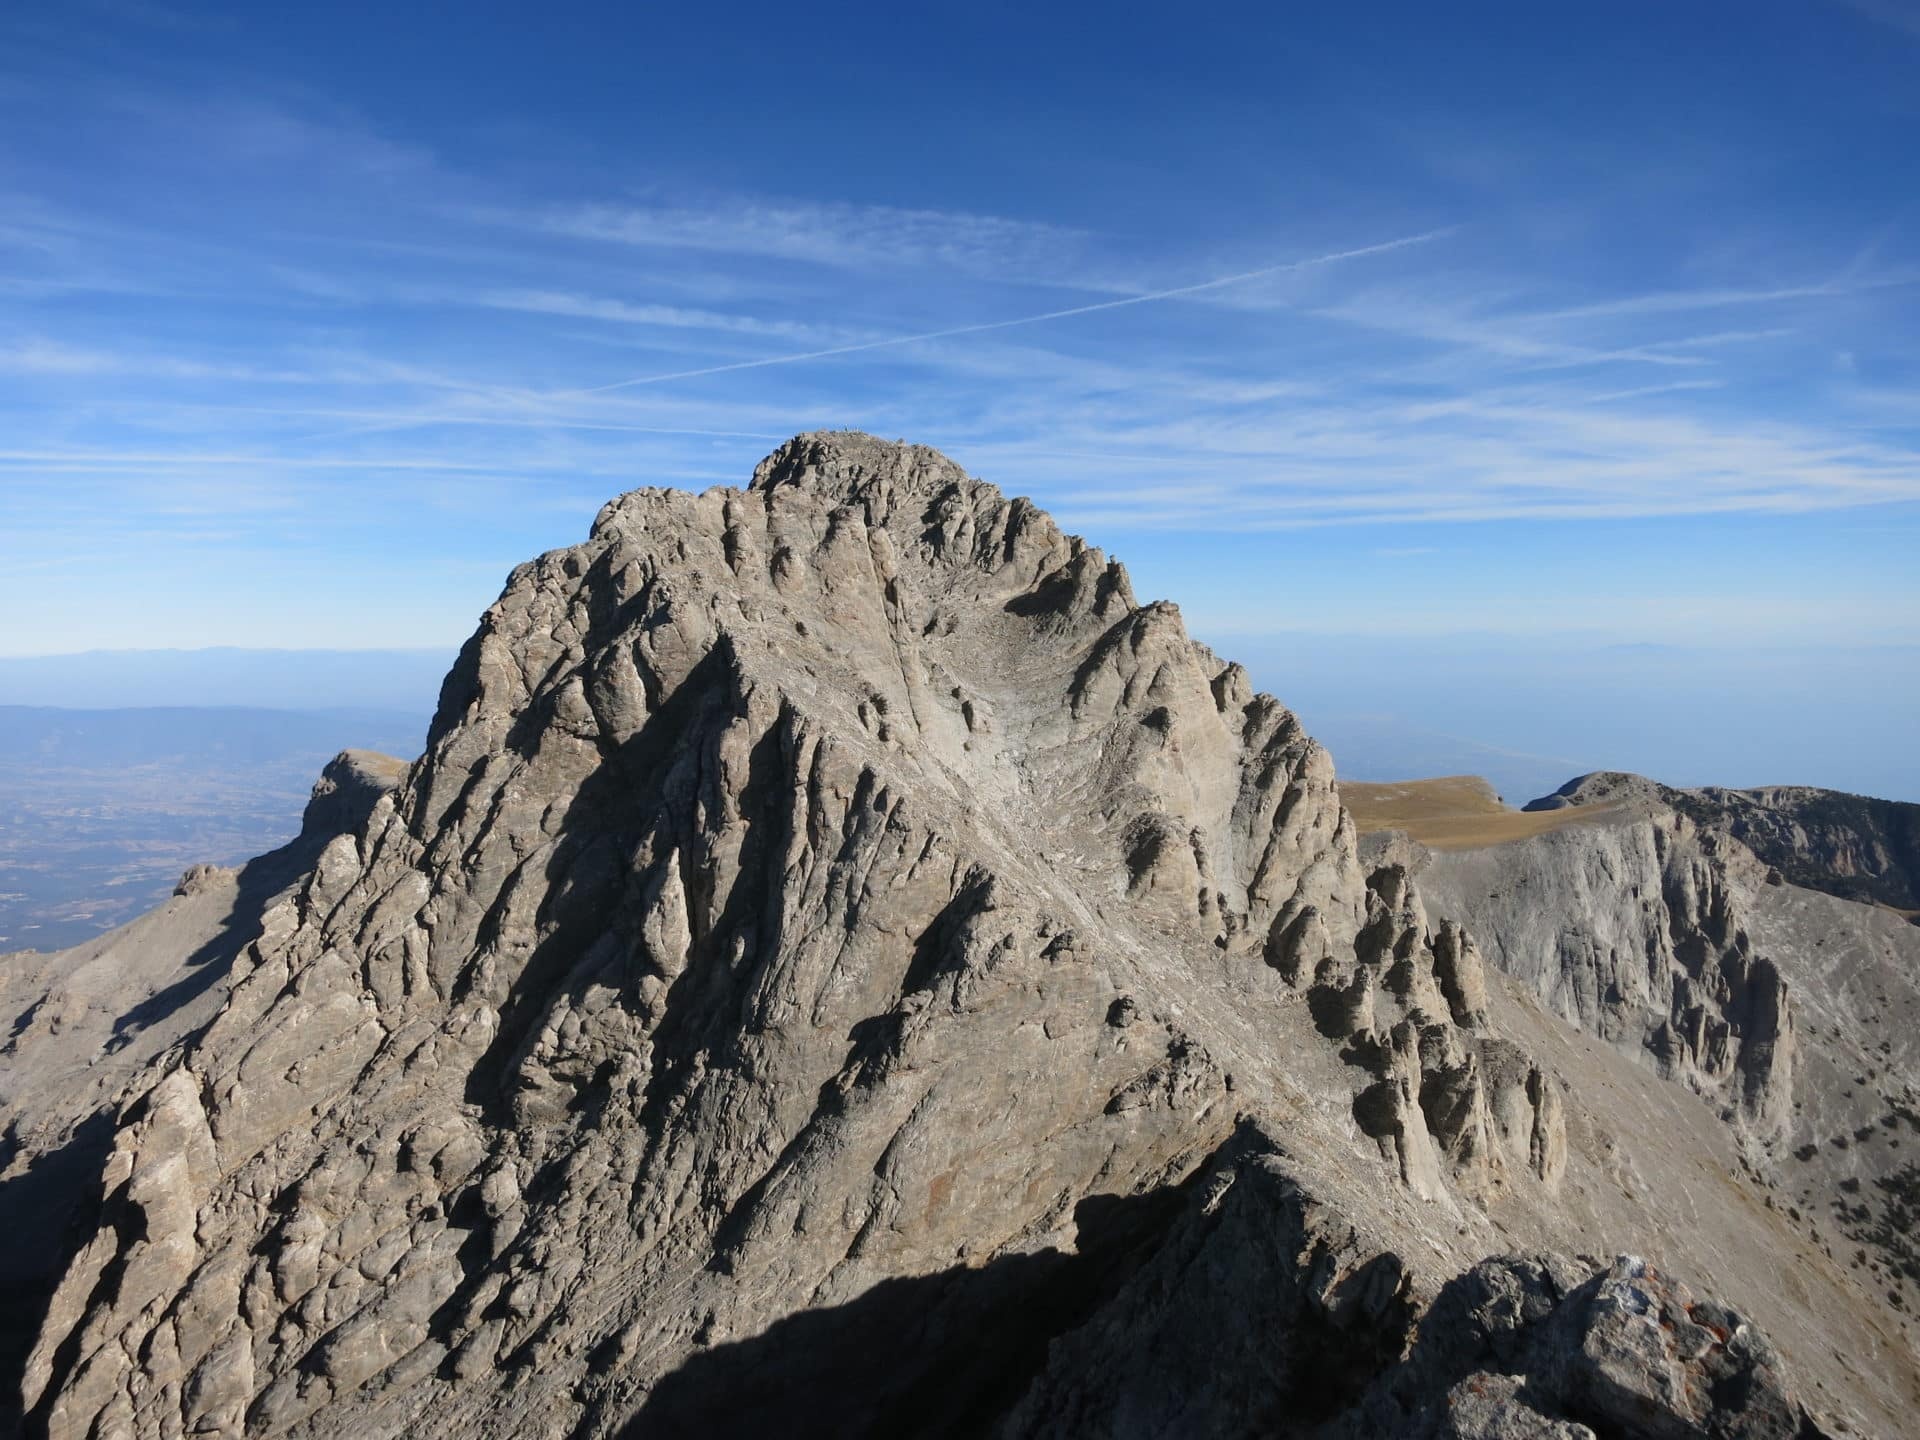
{"type": "Point", "coordinates": [1526, 716]}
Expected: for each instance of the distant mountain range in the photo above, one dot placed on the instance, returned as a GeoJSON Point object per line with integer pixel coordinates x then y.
{"type": "Point", "coordinates": [120, 768]}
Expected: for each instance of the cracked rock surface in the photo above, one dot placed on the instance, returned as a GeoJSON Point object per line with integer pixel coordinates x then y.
{"type": "Point", "coordinates": [1852, 846]}
{"type": "Point", "coordinates": [844, 966]}
{"type": "Point", "coordinates": [1793, 1012]}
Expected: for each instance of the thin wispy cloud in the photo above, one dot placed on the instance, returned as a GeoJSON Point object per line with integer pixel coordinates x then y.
{"type": "Point", "coordinates": [1902, 15]}
{"type": "Point", "coordinates": [1717, 338]}
{"type": "Point", "coordinates": [623, 312]}
{"type": "Point", "coordinates": [832, 234]}
{"type": "Point", "coordinates": [1681, 301]}
{"type": "Point", "coordinates": [1639, 391]}
{"type": "Point", "coordinates": [151, 460]}
{"type": "Point", "coordinates": [1409, 316]}
{"type": "Point", "coordinates": [982, 327]}
{"type": "Point", "coordinates": [975, 328]}
{"type": "Point", "coordinates": [52, 358]}
{"type": "Point", "coordinates": [319, 299]}
{"type": "Point", "coordinates": [381, 420]}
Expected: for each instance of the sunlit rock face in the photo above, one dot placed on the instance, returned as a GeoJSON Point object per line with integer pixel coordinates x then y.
{"type": "Point", "coordinates": [834, 919]}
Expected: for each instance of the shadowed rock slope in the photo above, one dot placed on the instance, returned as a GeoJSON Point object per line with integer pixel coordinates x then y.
{"type": "Point", "coordinates": [844, 967]}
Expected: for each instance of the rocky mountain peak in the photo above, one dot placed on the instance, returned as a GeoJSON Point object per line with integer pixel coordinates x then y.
{"type": "Point", "coordinates": [838, 464]}
{"type": "Point", "coordinates": [835, 917]}
{"type": "Point", "coordinates": [1600, 787]}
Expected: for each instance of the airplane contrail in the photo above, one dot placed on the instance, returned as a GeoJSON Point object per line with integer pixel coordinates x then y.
{"type": "Point", "coordinates": [1173, 294]}
{"type": "Point", "coordinates": [1151, 297]}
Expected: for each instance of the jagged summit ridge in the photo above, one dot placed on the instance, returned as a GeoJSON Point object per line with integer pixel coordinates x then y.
{"type": "Point", "coordinates": [832, 533]}
{"type": "Point", "coordinates": [833, 885]}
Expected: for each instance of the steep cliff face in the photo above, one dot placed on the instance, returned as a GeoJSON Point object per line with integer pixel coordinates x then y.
{"type": "Point", "coordinates": [834, 918]}
{"type": "Point", "coordinates": [1638, 932]}
{"type": "Point", "coordinates": [1795, 1013]}
{"type": "Point", "coordinates": [1853, 846]}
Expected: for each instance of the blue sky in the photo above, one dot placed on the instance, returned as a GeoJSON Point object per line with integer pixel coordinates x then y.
{"type": "Point", "coordinates": [1585, 325]}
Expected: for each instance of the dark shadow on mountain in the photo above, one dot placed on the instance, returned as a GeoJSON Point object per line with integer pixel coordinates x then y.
{"type": "Point", "coordinates": [642, 786]}
{"type": "Point", "coordinates": [46, 1213]}
{"type": "Point", "coordinates": [261, 882]}
{"type": "Point", "coordinates": [936, 1356]}
{"type": "Point", "coordinates": [1050, 597]}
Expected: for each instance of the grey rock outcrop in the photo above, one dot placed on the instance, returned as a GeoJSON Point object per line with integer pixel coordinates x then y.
{"type": "Point", "coordinates": [1603, 787]}
{"type": "Point", "coordinates": [1853, 846]}
{"type": "Point", "coordinates": [91, 1022]}
{"type": "Point", "coordinates": [345, 795]}
{"type": "Point", "coordinates": [1408, 1004]}
{"type": "Point", "coordinates": [1792, 1011]}
{"type": "Point", "coordinates": [1637, 932]}
{"type": "Point", "coordinates": [1538, 1346]}
{"type": "Point", "coordinates": [835, 919]}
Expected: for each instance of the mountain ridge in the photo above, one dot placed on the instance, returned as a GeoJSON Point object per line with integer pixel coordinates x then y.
{"type": "Point", "coordinates": [843, 884]}
{"type": "Point", "coordinates": [1857, 847]}
{"type": "Point", "coordinates": [1635, 918]}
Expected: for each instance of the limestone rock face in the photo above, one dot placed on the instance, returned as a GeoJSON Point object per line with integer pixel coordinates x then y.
{"type": "Point", "coordinates": [346, 792]}
{"type": "Point", "coordinates": [1853, 846]}
{"type": "Point", "coordinates": [841, 956]}
{"type": "Point", "coordinates": [1638, 932]}
{"type": "Point", "coordinates": [90, 1025]}
{"type": "Point", "coordinates": [1796, 1014]}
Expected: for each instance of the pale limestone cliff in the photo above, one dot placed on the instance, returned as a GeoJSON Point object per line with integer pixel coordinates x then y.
{"type": "Point", "coordinates": [834, 919]}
